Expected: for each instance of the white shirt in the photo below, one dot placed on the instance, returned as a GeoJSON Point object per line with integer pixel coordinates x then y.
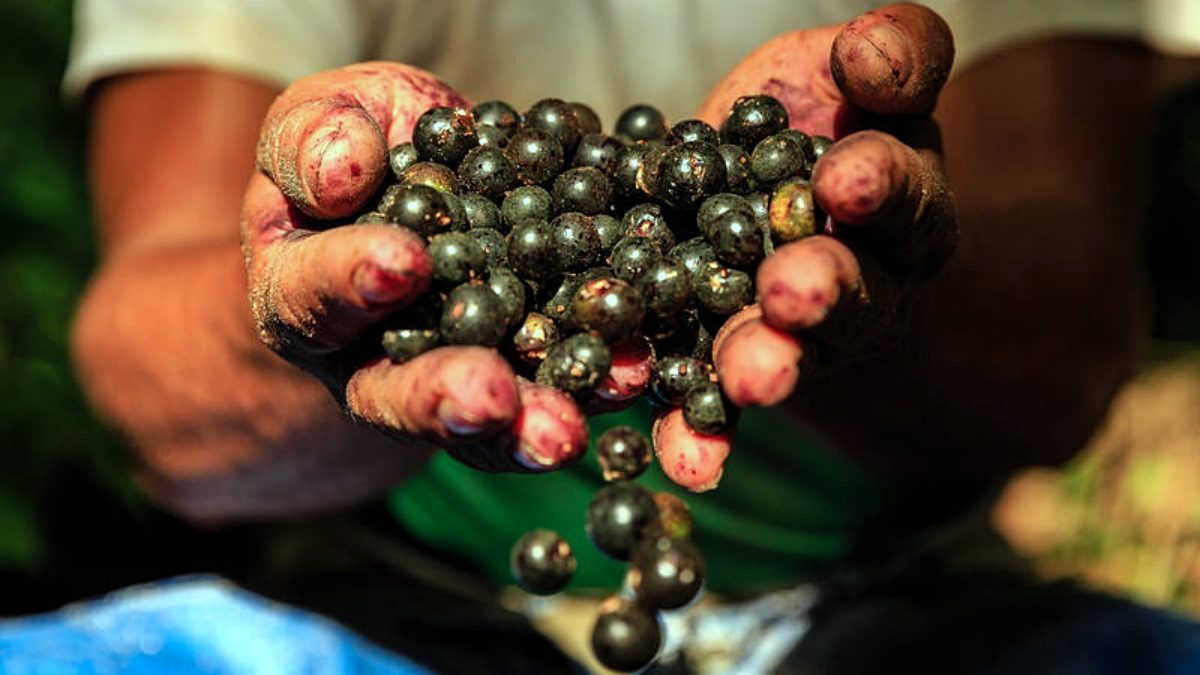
{"type": "Point", "coordinates": [607, 53]}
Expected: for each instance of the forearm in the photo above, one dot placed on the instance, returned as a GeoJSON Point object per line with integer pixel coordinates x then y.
{"type": "Point", "coordinates": [222, 428]}
{"type": "Point", "coordinates": [164, 341]}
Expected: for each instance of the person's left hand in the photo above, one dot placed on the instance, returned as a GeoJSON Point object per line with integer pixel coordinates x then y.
{"type": "Point", "coordinates": [871, 84]}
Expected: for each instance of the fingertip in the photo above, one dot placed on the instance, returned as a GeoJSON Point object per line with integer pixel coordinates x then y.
{"type": "Point", "coordinates": [479, 394]}
{"type": "Point", "coordinates": [342, 162]}
{"type": "Point", "coordinates": [550, 430]}
{"type": "Point", "coordinates": [327, 155]}
{"type": "Point", "coordinates": [798, 286]}
{"type": "Point", "coordinates": [893, 60]}
{"type": "Point", "coordinates": [861, 177]}
{"type": "Point", "coordinates": [691, 459]}
{"type": "Point", "coordinates": [397, 271]}
{"type": "Point", "coordinates": [759, 365]}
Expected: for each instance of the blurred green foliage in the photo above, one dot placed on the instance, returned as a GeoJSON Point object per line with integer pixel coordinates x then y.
{"type": "Point", "coordinates": [45, 261]}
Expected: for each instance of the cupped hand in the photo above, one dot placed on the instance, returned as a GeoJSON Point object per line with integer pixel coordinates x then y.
{"type": "Point", "coordinates": [870, 84]}
{"type": "Point", "coordinates": [316, 292]}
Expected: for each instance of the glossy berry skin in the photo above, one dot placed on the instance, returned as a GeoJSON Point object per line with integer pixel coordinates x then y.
{"type": "Point", "coordinates": [650, 171]}
{"type": "Point", "coordinates": [648, 221]}
{"type": "Point", "coordinates": [675, 376]}
{"type": "Point", "coordinates": [632, 256]}
{"type": "Point", "coordinates": [819, 145]}
{"type": "Point", "coordinates": [692, 254]}
{"type": "Point", "coordinates": [576, 242]}
{"type": "Point", "coordinates": [609, 231]}
{"type": "Point", "coordinates": [692, 130]}
{"type": "Point", "coordinates": [542, 562]}
{"type": "Point", "coordinates": [620, 515]}
{"type": "Point", "coordinates": [400, 157]}
{"type": "Point", "coordinates": [626, 636]}
{"type": "Point", "coordinates": [512, 293]}
{"type": "Point", "coordinates": [487, 171]}
{"type": "Point", "coordinates": [444, 135]}
{"type": "Point", "coordinates": [473, 315]}
{"type": "Point", "coordinates": [576, 365]}
{"type": "Point", "coordinates": [496, 115]}
{"type": "Point", "coordinates": [641, 123]}
{"type": "Point", "coordinates": [584, 189]}
{"type": "Point", "coordinates": [403, 344]}
{"type": "Point", "coordinates": [722, 290]}
{"type": "Point", "coordinates": [609, 307]}
{"type": "Point", "coordinates": [534, 337]}
{"type": "Point", "coordinates": [599, 151]}
{"type": "Point", "coordinates": [491, 137]}
{"type": "Point", "coordinates": [627, 166]}
{"type": "Point", "coordinates": [531, 250]}
{"type": "Point", "coordinates": [777, 157]}
{"type": "Point", "coordinates": [558, 305]}
{"type": "Point", "coordinates": [420, 208]}
{"type": "Point", "coordinates": [806, 144]}
{"type": "Point", "coordinates": [667, 572]}
{"type": "Point", "coordinates": [758, 202]}
{"type": "Point", "coordinates": [557, 118]}
{"type": "Point", "coordinates": [738, 178]}
{"type": "Point", "coordinates": [690, 173]}
{"type": "Point", "coordinates": [792, 211]}
{"type": "Point", "coordinates": [525, 203]}
{"type": "Point", "coordinates": [459, 222]}
{"type": "Point", "coordinates": [494, 245]}
{"type": "Point", "coordinates": [536, 155]}
{"type": "Point", "coordinates": [623, 453]}
{"type": "Point", "coordinates": [665, 287]}
{"type": "Point", "coordinates": [589, 121]}
{"type": "Point", "coordinates": [481, 212]}
{"type": "Point", "coordinates": [717, 205]}
{"type": "Point", "coordinates": [457, 258]}
{"type": "Point", "coordinates": [707, 410]}
{"type": "Point", "coordinates": [437, 176]}
{"type": "Point", "coordinates": [737, 238]}
{"type": "Point", "coordinates": [753, 118]}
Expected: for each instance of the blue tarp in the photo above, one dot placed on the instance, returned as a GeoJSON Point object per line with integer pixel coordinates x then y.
{"type": "Point", "coordinates": [197, 624]}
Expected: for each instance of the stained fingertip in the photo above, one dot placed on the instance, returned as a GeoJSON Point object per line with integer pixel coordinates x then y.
{"type": "Point", "coordinates": [804, 281]}
{"type": "Point", "coordinates": [893, 60]}
{"type": "Point", "coordinates": [550, 430]}
{"type": "Point", "coordinates": [629, 375]}
{"type": "Point", "coordinates": [861, 177]}
{"type": "Point", "coordinates": [480, 395]}
{"type": "Point", "coordinates": [743, 315]}
{"type": "Point", "coordinates": [396, 274]}
{"type": "Point", "coordinates": [692, 460]}
{"type": "Point", "coordinates": [759, 365]}
{"type": "Point", "coordinates": [327, 155]}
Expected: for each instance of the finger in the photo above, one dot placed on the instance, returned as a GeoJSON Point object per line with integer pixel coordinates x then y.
{"type": "Point", "coordinates": [312, 293]}
{"type": "Point", "coordinates": [325, 139]}
{"type": "Point", "coordinates": [893, 60]}
{"type": "Point", "coordinates": [550, 431]}
{"type": "Point", "coordinates": [800, 284]}
{"type": "Point", "coordinates": [691, 459]}
{"type": "Point", "coordinates": [890, 198]}
{"type": "Point", "coordinates": [759, 365]}
{"type": "Point", "coordinates": [450, 395]}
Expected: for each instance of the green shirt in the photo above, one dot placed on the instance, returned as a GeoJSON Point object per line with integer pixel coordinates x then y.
{"type": "Point", "coordinates": [786, 508]}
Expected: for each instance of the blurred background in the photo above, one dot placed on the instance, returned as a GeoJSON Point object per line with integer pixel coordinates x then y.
{"type": "Point", "coordinates": [1124, 516]}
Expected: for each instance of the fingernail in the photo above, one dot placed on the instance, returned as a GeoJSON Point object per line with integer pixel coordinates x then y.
{"type": "Point", "coordinates": [458, 422]}
{"type": "Point", "coordinates": [378, 285]}
{"type": "Point", "coordinates": [531, 459]}
{"type": "Point", "coordinates": [894, 46]}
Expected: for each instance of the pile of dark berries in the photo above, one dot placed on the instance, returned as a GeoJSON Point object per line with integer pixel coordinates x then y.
{"type": "Point", "coordinates": [554, 242]}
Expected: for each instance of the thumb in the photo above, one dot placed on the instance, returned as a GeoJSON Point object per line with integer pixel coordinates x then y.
{"type": "Point", "coordinates": [893, 60]}
{"type": "Point", "coordinates": [325, 139]}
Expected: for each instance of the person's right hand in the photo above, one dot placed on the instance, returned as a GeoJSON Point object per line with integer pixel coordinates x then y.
{"type": "Point", "coordinates": [315, 292]}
